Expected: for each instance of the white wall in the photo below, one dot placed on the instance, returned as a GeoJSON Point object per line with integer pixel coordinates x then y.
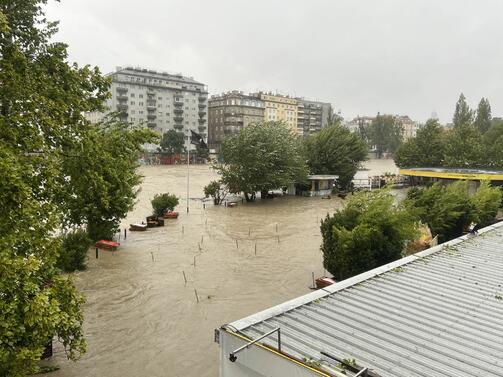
{"type": "Point", "coordinates": [255, 361]}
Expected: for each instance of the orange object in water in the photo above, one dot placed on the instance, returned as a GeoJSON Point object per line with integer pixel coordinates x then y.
{"type": "Point", "coordinates": [171, 215]}
{"type": "Point", "coordinates": [105, 244]}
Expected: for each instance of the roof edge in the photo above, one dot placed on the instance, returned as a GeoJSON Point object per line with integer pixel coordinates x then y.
{"type": "Point", "coordinates": [284, 307]}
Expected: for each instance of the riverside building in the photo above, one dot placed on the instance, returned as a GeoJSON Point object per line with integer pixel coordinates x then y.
{"type": "Point", "coordinates": [312, 115]}
{"type": "Point", "coordinates": [229, 113]}
{"type": "Point", "coordinates": [158, 100]}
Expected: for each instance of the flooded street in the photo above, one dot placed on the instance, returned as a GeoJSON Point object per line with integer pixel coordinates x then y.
{"type": "Point", "coordinates": [142, 319]}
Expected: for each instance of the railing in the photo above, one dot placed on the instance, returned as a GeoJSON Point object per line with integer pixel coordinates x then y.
{"type": "Point", "coordinates": [232, 355]}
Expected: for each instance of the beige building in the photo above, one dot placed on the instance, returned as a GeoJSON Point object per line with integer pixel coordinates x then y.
{"type": "Point", "coordinates": [279, 108]}
{"type": "Point", "coordinates": [409, 126]}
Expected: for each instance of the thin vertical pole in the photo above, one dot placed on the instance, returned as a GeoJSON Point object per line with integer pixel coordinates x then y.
{"type": "Point", "coordinates": [188, 179]}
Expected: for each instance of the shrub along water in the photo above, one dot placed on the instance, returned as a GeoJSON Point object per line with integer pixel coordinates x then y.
{"type": "Point", "coordinates": [73, 253]}
{"type": "Point", "coordinates": [164, 202]}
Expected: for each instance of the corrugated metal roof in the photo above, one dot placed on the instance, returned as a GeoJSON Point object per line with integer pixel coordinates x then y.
{"type": "Point", "coordinates": [436, 313]}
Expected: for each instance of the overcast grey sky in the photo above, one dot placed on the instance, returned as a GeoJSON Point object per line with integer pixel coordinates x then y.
{"type": "Point", "coordinates": [364, 56]}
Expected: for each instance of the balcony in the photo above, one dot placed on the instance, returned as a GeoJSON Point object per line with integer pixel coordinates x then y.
{"type": "Point", "coordinates": [202, 114]}
{"type": "Point", "coordinates": [202, 106]}
{"type": "Point", "coordinates": [121, 89]}
{"type": "Point", "coordinates": [151, 116]}
{"type": "Point", "coordinates": [201, 128]}
{"type": "Point", "coordinates": [178, 119]}
{"type": "Point", "coordinates": [151, 125]}
{"type": "Point", "coordinates": [202, 121]}
{"type": "Point", "coordinates": [178, 103]}
{"type": "Point", "coordinates": [202, 98]}
{"type": "Point", "coordinates": [178, 127]}
{"type": "Point", "coordinates": [122, 97]}
{"type": "Point", "coordinates": [122, 107]}
{"type": "Point", "coordinates": [178, 111]}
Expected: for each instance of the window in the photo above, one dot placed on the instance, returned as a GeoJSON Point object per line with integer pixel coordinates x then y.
{"type": "Point", "coordinates": [132, 102]}
{"type": "Point", "coordinates": [159, 98]}
{"type": "Point", "coordinates": [132, 95]}
{"type": "Point", "coordinates": [140, 95]}
{"type": "Point", "coordinates": [140, 103]}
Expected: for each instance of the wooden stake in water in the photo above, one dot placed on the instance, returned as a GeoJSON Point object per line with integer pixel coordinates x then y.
{"type": "Point", "coordinates": [96, 253]}
{"type": "Point", "coordinates": [194, 261]}
{"type": "Point", "coordinates": [199, 246]}
{"type": "Point", "coordinates": [276, 228]}
{"type": "Point", "coordinates": [278, 238]}
{"type": "Point", "coordinates": [237, 246]}
{"type": "Point", "coordinates": [151, 253]}
{"type": "Point", "coordinates": [202, 239]}
{"type": "Point", "coordinates": [184, 277]}
{"type": "Point", "coordinates": [255, 248]}
{"type": "Point", "coordinates": [197, 297]}
{"type": "Point", "coordinates": [314, 284]}
{"type": "Point", "coordinates": [125, 233]}
{"type": "Point", "coordinates": [249, 231]}
{"type": "Point", "coordinates": [182, 229]}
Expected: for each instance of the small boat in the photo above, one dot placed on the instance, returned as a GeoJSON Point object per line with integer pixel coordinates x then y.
{"type": "Point", "coordinates": [137, 227]}
{"type": "Point", "coordinates": [324, 282]}
{"type": "Point", "coordinates": [171, 215]}
{"type": "Point", "coordinates": [105, 244]}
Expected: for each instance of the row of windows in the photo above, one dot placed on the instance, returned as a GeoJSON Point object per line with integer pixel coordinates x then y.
{"type": "Point", "coordinates": [150, 80]}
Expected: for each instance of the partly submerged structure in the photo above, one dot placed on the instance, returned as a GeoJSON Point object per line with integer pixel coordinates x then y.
{"type": "Point", "coordinates": [319, 185]}
{"type": "Point", "coordinates": [422, 175]}
{"type": "Point", "coordinates": [438, 313]}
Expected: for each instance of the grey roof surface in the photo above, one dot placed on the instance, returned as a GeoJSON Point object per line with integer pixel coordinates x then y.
{"type": "Point", "coordinates": [459, 170]}
{"type": "Point", "coordinates": [436, 313]}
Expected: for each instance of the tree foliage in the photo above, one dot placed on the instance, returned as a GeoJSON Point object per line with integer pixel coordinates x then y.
{"type": "Point", "coordinates": [426, 149]}
{"type": "Point", "coordinates": [102, 181]}
{"type": "Point", "coordinates": [216, 190]}
{"type": "Point", "coordinates": [385, 133]}
{"type": "Point", "coordinates": [463, 115]}
{"type": "Point", "coordinates": [335, 150]}
{"type": "Point", "coordinates": [483, 118]}
{"type": "Point", "coordinates": [449, 209]}
{"type": "Point", "coordinates": [163, 203]}
{"type": "Point", "coordinates": [172, 143]}
{"type": "Point", "coordinates": [262, 157]}
{"type": "Point", "coordinates": [369, 232]}
{"type": "Point", "coordinates": [73, 253]}
{"type": "Point", "coordinates": [43, 137]}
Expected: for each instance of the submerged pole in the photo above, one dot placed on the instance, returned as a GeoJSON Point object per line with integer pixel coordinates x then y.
{"type": "Point", "coordinates": [188, 171]}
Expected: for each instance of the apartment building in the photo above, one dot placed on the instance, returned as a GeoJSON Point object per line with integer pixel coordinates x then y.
{"type": "Point", "coordinates": [158, 100]}
{"type": "Point", "coordinates": [409, 126]}
{"type": "Point", "coordinates": [312, 115]}
{"type": "Point", "coordinates": [279, 108]}
{"type": "Point", "coordinates": [359, 123]}
{"type": "Point", "coordinates": [229, 113]}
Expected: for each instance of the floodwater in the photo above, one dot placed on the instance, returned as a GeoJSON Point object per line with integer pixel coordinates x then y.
{"type": "Point", "coordinates": [143, 319]}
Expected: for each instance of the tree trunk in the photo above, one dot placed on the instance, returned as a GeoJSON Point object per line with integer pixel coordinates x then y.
{"type": "Point", "coordinates": [264, 194]}
{"type": "Point", "coordinates": [250, 197]}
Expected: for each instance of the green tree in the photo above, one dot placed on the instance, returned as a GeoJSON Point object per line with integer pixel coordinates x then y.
{"type": "Point", "coordinates": [102, 178]}
{"type": "Point", "coordinates": [483, 117]}
{"type": "Point", "coordinates": [486, 201]}
{"type": "Point", "coordinates": [262, 157]}
{"type": "Point", "coordinates": [216, 190]}
{"type": "Point", "coordinates": [163, 203]}
{"type": "Point", "coordinates": [385, 133]}
{"type": "Point", "coordinates": [335, 150]}
{"type": "Point", "coordinates": [463, 148]}
{"type": "Point", "coordinates": [172, 143]}
{"type": "Point", "coordinates": [73, 253]}
{"type": "Point", "coordinates": [492, 143]}
{"type": "Point", "coordinates": [369, 232]}
{"type": "Point", "coordinates": [427, 149]}
{"type": "Point", "coordinates": [202, 152]}
{"type": "Point", "coordinates": [447, 209]}
{"type": "Point", "coordinates": [463, 115]}
{"type": "Point", "coordinates": [42, 102]}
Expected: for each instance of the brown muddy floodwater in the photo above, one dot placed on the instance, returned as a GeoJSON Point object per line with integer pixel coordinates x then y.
{"type": "Point", "coordinates": [142, 319]}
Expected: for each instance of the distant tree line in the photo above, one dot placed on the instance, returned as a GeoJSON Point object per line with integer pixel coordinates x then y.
{"type": "Point", "coordinates": [475, 141]}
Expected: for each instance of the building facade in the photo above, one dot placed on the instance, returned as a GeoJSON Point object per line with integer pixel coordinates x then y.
{"type": "Point", "coordinates": [409, 126]}
{"type": "Point", "coordinates": [359, 123]}
{"type": "Point", "coordinates": [279, 108]}
{"type": "Point", "coordinates": [312, 116]}
{"type": "Point", "coordinates": [158, 100]}
{"type": "Point", "coordinates": [229, 113]}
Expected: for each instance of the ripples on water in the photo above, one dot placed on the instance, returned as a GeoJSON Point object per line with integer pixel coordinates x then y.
{"type": "Point", "coordinates": [141, 319]}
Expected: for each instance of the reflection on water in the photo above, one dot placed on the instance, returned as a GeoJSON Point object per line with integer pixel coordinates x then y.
{"type": "Point", "coordinates": [142, 319]}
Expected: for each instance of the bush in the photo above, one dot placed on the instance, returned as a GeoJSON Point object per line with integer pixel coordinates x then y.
{"type": "Point", "coordinates": [164, 202]}
{"type": "Point", "coordinates": [73, 252]}
{"type": "Point", "coordinates": [216, 190]}
{"type": "Point", "coordinates": [369, 232]}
